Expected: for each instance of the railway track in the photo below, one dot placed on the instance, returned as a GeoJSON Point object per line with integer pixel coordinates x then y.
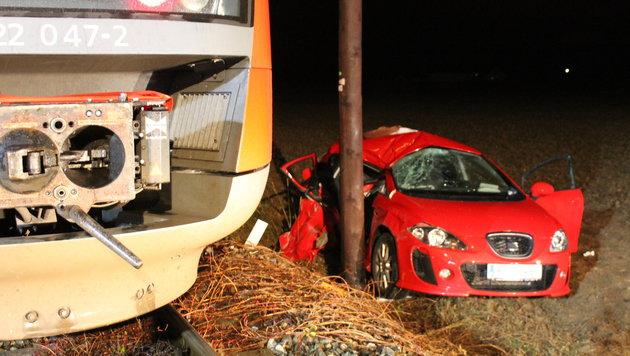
{"type": "Point", "coordinates": [181, 334]}
{"type": "Point", "coordinates": [173, 329]}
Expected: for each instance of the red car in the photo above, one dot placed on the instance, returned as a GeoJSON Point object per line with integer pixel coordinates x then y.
{"type": "Point", "coordinates": [443, 219]}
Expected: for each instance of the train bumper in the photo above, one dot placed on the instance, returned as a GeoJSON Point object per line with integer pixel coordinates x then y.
{"type": "Point", "coordinates": [69, 285]}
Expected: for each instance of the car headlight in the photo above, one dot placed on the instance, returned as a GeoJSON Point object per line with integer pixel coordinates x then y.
{"type": "Point", "coordinates": [435, 236]}
{"type": "Point", "coordinates": [559, 242]}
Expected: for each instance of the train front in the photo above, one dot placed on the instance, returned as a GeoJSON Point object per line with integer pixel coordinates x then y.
{"type": "Point", "coordinates": [108, 199]}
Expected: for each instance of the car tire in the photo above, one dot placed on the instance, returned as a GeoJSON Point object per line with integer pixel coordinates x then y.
{"type": "Point", "coordinates": [384, 263]}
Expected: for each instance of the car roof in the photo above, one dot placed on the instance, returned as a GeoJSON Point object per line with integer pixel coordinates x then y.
{"type": "Point", "coordinates": [384, 150]}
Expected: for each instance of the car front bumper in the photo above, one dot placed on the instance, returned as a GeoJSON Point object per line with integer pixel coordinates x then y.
{"type": "Point", "coordinates": [420, 266]}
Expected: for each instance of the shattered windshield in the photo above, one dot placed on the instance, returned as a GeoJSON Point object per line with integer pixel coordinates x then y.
{"type": "Point", "coordinates": [451, 174]}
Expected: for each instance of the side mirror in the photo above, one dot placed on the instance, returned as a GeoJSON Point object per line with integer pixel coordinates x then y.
{"type": "Point", "coordinates": [540, 189]}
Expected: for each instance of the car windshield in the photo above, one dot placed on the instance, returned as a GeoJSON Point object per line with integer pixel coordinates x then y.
{"type": "Point", "coordinates": [450, 174]}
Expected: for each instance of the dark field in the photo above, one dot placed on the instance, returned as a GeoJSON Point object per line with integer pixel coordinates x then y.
{"type": "Point", "coordinates": [517, 129]}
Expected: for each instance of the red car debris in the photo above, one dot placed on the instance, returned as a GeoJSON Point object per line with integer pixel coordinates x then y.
{"type": "Point", "coordinates": [443, 219]}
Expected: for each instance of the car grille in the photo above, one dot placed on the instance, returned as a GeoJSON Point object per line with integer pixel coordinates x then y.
{"type": "Point", "coordinates": [511, 245]}
{"type": "Point", "coordinates": [475, 275]}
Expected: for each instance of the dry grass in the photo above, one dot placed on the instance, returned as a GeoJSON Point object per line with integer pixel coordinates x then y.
{"type": "Point", "coordinates": [135, 337]}
{"type": "Point", "coordinates": [245, 296]}
{"type": "Point", "coordinates": [512, 326]}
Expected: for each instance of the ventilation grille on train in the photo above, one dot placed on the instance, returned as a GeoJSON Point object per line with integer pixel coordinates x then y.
{"type": "Point", "coordinates": [199, 121]}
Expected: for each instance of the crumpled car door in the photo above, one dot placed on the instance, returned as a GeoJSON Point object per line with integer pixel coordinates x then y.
{"type": "Point", "coordinates": [308, 235]}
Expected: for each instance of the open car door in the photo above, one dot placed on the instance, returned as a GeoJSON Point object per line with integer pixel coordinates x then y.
{"type": "Point", "coordinates": [302, 179]}
{"type": "Point", "coordinates": [566, 206]}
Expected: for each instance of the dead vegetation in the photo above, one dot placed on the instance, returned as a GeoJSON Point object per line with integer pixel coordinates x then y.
{"type": "Point", "coordinates": [237, 307]}
{"type": "Point", "coordinates": [138, 337]}
{"type": "Point", "coordinates": [512, 326]}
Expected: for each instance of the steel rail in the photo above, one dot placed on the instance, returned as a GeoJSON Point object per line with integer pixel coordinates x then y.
{"type": "Point", "coordinates": [180, 333]}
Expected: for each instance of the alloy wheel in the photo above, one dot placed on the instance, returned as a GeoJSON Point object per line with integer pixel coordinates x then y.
{"type": "Point", "coordinates": [383, 272]}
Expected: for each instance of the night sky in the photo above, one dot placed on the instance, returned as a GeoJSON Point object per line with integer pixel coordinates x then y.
{"type": "Point", "coordinates": [411, 44]}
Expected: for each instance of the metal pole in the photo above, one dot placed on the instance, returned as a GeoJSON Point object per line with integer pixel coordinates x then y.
{"type": "Point", "coordinates": [74, 214]}
{"type": "Point", "coordinates": [351, 140]}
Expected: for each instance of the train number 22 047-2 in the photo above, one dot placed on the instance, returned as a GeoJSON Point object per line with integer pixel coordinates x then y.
{"type": "Point", "coordinates": [49, 35]}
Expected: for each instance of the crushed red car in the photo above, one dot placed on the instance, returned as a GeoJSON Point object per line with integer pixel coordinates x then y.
{"type": "Point", "coordinates": [443, 219]}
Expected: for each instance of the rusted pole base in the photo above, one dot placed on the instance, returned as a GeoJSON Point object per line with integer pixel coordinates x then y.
{"type": "Point", "coordinates": [351, 140]}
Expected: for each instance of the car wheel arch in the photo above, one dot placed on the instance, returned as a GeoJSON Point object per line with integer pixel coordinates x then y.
{"type": "Point", "coordinates": [378, 231]}
{"type": "Point", "coordinates": [383, 233]}
{"type": "Point", "coordinates": [382, 229]}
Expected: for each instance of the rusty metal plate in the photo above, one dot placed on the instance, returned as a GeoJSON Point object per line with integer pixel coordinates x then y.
{"type": "Point", "coordinates": [75, 154]}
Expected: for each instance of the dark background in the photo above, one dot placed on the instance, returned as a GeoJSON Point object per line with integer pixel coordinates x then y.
{"type": "Point", "coordinates": [421, 45]}
{"type": "Point", "coordinates": [490, 74]}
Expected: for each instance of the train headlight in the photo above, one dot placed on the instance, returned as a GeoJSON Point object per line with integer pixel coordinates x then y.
{"type": "Point", "coordinates": [152, 3]}
{"type": "Point", "coordinates": [194, 5]}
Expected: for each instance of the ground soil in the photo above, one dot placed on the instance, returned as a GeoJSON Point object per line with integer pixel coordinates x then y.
{"type": "Point", "coordinates": [517, 129]}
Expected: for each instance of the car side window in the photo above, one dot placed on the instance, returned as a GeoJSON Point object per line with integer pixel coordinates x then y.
{"type": "Point", "coordinates": [370, 174]}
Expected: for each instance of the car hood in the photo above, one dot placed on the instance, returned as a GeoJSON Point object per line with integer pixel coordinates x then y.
{"type": "Point", "coordinates": [473, 220]}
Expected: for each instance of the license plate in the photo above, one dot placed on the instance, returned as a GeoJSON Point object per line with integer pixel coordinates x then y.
{"type": "Point", "coordinates": [514, 272]}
